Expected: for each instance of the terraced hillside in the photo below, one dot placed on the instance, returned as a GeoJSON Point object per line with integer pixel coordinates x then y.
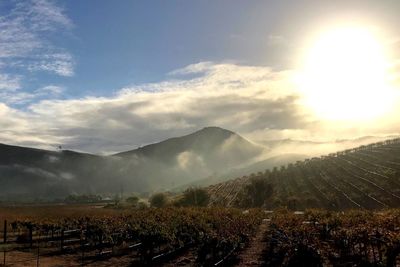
{"type": "Point", "coordinates": [366, 177]}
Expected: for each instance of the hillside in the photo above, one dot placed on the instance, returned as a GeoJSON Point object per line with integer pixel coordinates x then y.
{"type": "Point", "coordinates": [27, 173]}
{"type": "Point", "coordinates": [182, 160]}
{"type": "Point", "coordinates": [213, 146]}
{"type": "Point", "coordinates": [243, 170]}
{"type": "Point", "coordinates": [367, 177]}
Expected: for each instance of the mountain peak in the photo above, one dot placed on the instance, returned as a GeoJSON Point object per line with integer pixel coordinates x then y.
{"type": "Point", "coordinates": [213, 130]}
{"type": "Point", "coordinates": [203, 141]}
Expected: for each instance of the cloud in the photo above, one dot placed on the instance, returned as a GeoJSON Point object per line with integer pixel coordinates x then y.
{"type": "Point", "coordinates": [274, 40]}
{"type": "Point", "coordinates": [9, 82]}
{"type": "Point", "coordinates": [11, 95]}
{"type": "Point", "coordinates": [26, 46]}
{"type": "Point", "coordinates": [59, 63]}
{"type": "Point", "coordinates": [188, 160]}
{"type": "Point", "coordinates": [53, 90]}
{"type": "Point", "coordinates": [257, 102]}
{"type": "Point", "coordinates": [241, 98]}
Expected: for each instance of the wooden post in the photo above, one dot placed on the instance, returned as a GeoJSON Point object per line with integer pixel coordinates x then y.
{"type": "Point", "coordinates": [38, 252]}
{"type": "Point", "coordinates": [31, 235]}
{"type": "Point", "coordinates": [101, 243]}
{"type": "Point", "coordinates": [62, 239]}
{"type": "Point", "coordinates": [82, 248]}
{"type": "Point", "coordinates": [5, 241]}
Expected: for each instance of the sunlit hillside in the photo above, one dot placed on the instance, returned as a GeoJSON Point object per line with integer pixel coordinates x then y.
{"type": "Point", "coordinates": [366, 177]}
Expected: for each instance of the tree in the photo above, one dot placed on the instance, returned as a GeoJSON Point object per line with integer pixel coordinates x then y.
{"type": "Point", "coordinates": [255, 193]}
{"type": "Point", "coordinates": [194, 197]}
{"type": "Point", "coordinates": [158, 200]}
{"type": "Point", "coordinates": [133, 200]}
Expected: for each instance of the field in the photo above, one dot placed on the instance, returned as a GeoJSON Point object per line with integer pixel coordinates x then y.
{"type": "Point", "coordinates": [91, 236]}
{"type": "Point", "coordinates": [367, 177]}
{"type": "Point", "coordinates": [84, 235]}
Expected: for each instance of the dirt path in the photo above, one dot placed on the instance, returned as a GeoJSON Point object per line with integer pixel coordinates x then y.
{"type": "Point", "coordinates": [253, 254]}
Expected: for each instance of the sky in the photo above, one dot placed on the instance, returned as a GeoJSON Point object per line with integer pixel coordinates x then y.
{"type": "Point", "coordinates": [105, 76]}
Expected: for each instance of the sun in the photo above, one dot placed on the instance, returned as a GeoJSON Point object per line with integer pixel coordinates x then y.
{"type": "Point", "coordinates": [344, 75]}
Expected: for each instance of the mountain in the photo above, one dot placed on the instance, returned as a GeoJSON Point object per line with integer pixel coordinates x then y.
{"type": "Point", "coordinates": [28, 173]}
{"type": "Point", "coordinates": [185, 159]}
{"type": "Point", "coordinates": [366, 177]}
{"type": "Point", "coordinates": [214, 146]}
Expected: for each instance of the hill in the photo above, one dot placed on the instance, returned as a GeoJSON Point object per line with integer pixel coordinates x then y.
{"type": "Point", "coordinates": [366, 177]}
{"type": "Point", "coordinates": [186, 159]}
{"type": "Point", "coordinates": [243, 170]}
{"type": "Point", "coordinates": [210, 142]}
{"type": "Point", "coordinates": [28, 173]}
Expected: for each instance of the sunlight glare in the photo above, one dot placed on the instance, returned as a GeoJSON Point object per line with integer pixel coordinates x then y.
{"type": "Point", "coordinates": [345, 76]}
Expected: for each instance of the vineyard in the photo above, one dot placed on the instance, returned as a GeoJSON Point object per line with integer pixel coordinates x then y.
{"type": "Point", "coordinates": [323, 238]}
{"type": "Point", "coordinates": [334, 210]}
{"type": "Point", "coordinates": [367, 177]}
{"type": "Point", "coordinates": [206, 236]}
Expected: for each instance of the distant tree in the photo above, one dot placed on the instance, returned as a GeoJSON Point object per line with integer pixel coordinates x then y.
{"type": "Point", "coordinates": [133, 200]}
{"type": "Point", "coordinates": [255, 193]}
{"type": "Point", "coordinates": [194, 197]}
{"type": "Point", "coordinates": [158, 200]}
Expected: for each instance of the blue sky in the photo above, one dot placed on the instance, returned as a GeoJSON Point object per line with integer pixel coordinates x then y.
{"type": "Point", "coordinates": [55, 55]}
{"type": "Point", "coordinates": [132, 42]}
{"type": "Point", "coordinates": [140, 41]}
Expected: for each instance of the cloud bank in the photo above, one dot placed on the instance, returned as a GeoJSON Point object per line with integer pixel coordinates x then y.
{"type": "Point", "coordinates": [241, 98]}
{"type": "Point", "coordinates": [257, 102]}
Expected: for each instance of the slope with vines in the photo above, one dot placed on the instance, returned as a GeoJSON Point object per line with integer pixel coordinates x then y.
{"type": "Point", "coordinates": [366, 177]}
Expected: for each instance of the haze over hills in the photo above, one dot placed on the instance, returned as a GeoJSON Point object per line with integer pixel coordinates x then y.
{"type": "Point", "coordinates": [202, 158]}
{"type": "Point", "coordinates": [30, 173]}
{"type": "Point", "coordinates": [281, 152]}
{"type": "Point", "coordinates": [212, 147]}
{"type": "Point", "coordinates": [185, 159]}
{"type": "Point", "coordinates": [258, 166]}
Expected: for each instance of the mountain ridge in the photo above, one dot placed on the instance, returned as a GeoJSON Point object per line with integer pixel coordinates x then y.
{"type": "Point", "coordinates": [153, 167]}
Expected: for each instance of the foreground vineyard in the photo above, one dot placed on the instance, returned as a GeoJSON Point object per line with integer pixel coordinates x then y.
{"type": "Point", "coordinates": [323, 238]}
{"type": "Point", "coordinates": [206, 237]}
{"type": "Point", "coordinates": [149, 236]}
{"type": "Point", "coordinates": [367, 177]}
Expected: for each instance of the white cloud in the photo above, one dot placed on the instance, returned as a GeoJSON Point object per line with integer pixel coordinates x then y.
{"type": "Point", "coordinates": [9, 90]}
{"type": "Point", "coordinates": [241, 98]}
{"type": "Point", "coordinates": [59, 63]}
{"type": "Point", "coordinates": [254, 101]}
{"type": "Point", "coordinates": [11, 95]}
{"type": "Point", "coordinates": [25, 45]}
{"type": "Point", "coordinates": [46, 16]}
{"type": "Point", "coordinates": [53, 90]}
{"type": "Point", "coordinates": [9, 82]}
